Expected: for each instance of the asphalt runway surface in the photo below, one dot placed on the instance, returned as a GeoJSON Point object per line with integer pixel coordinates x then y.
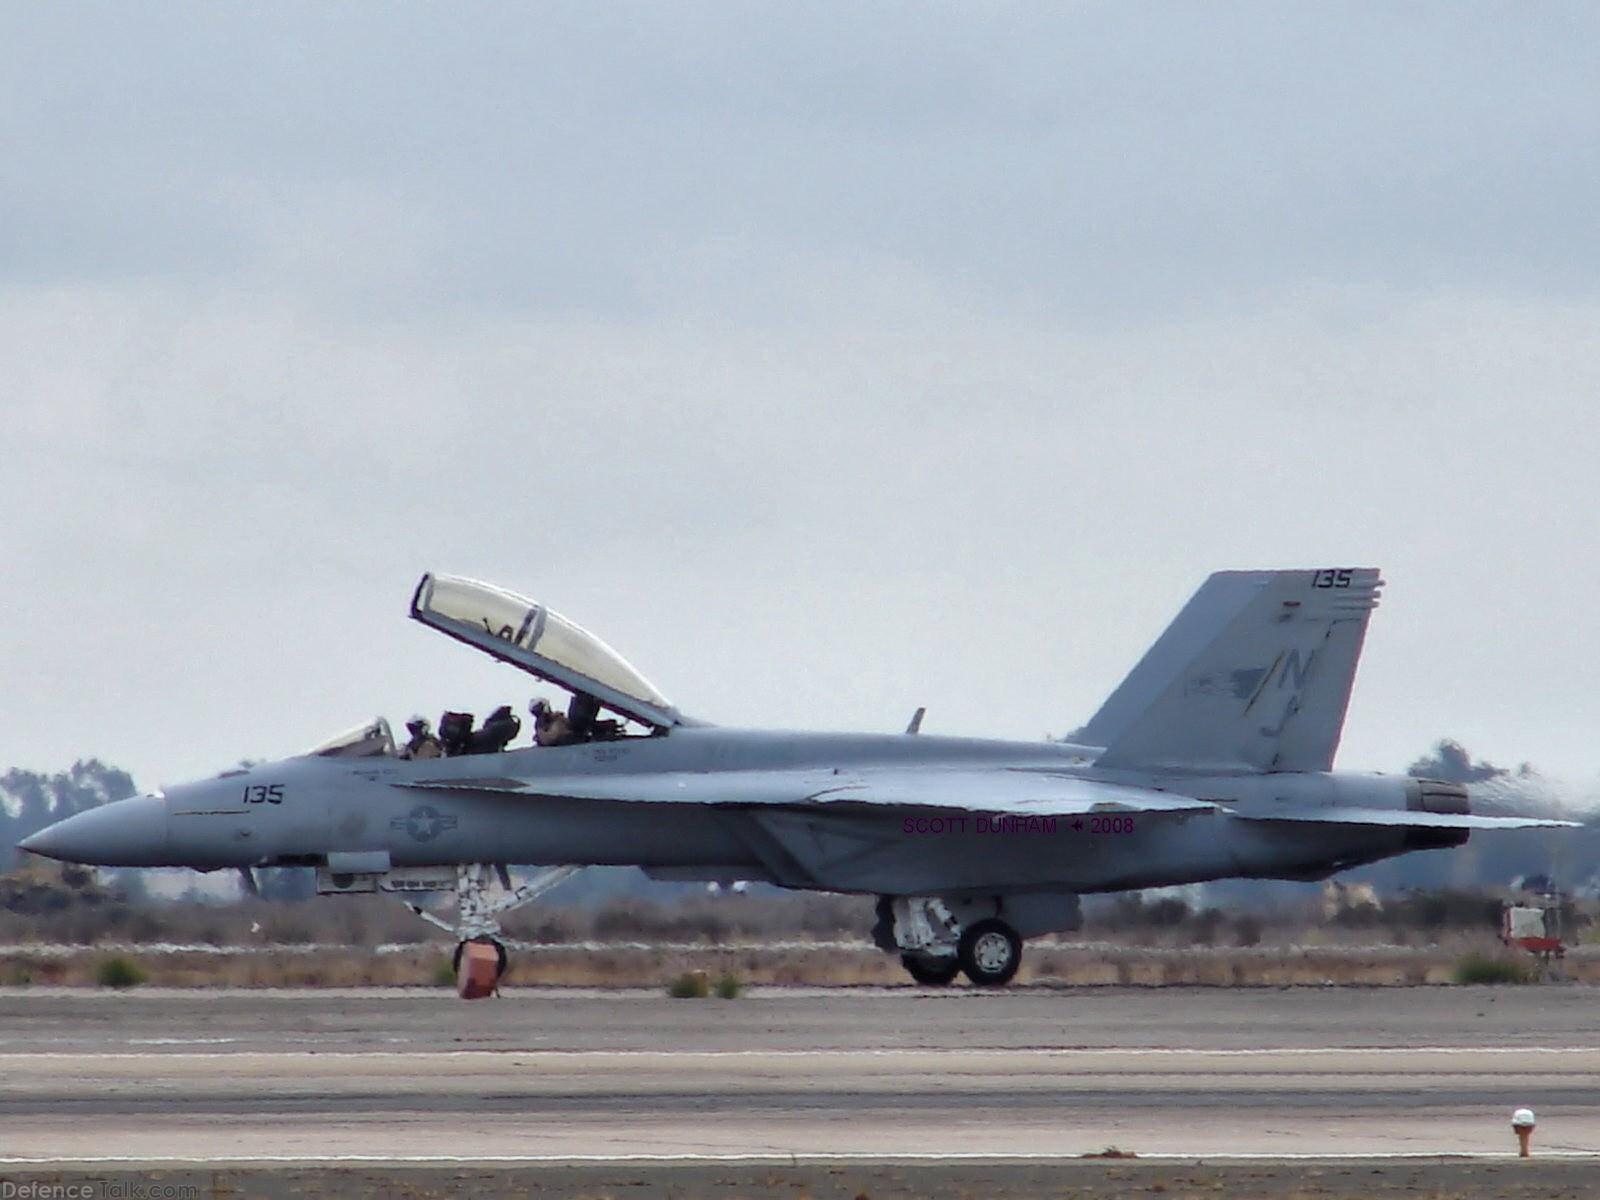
{"type": "Point", "coordinates": [792, 1079]}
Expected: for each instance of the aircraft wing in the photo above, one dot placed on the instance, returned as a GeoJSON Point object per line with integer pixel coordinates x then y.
{"type": "Point", "coordinates": [1405, 818]}
{"type": "Point", "coordinates": [846, 830]}
{"type": "Point", "coordinates": [1001, 792]}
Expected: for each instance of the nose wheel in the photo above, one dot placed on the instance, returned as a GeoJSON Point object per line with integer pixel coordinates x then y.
{"type": "Point", "coordinates": [478, 965]}
{"type": "Point", "coordinates": [480, 957]}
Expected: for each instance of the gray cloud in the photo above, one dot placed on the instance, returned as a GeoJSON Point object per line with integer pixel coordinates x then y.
{"type": "Point", "coordinates": [826, 361]}
{"type": "Point", "coordinates": [1100, 157]}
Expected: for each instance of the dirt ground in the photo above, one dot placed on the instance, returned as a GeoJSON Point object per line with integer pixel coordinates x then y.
{"type": "Point", "coordinates": [1091, 1179]}
{"type": "Point", "coordinates": [785, 965]}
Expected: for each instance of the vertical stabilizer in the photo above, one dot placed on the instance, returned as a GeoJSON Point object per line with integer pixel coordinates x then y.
{"type": "Point", "coordinates": [1271, 657]}
{"type": "Point", "coordinates": [1220, 599]}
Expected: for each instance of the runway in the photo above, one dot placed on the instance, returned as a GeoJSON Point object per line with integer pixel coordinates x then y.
{"type": "Point", "coordinates": [818, 1074]}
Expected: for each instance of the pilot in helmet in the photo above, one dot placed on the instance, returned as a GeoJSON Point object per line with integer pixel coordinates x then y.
{"type": "Point", "coordinates": [422, 744]}
{"type": "Point", "coordinates": [550, 728]}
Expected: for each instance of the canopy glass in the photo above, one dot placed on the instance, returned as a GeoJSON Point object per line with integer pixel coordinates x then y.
{"type": "Point", "coordinates": [529, 635]}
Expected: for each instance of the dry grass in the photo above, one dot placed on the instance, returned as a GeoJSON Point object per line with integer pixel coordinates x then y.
{"type": "Point", "coordinates": [762, 939]}
{"type": "Point", "coordinates": [793, 964]}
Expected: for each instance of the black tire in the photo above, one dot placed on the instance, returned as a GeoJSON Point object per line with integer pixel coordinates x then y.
{"type": "Point", "coordinates": [883, 927]}
{"type": "Point", "coordinates": [989, 952]}
{"type": "Point", "coordinates": [503, 958]}
{"type": "Point", "coordinates": [931, 972]}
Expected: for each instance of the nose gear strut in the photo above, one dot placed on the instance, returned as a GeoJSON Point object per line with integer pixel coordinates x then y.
{"type": "Point", "coordinates": [480, 957]}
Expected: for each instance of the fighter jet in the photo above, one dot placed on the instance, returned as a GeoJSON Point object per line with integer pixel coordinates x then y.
{"type": "Point", "coordinates": [1212, 760]}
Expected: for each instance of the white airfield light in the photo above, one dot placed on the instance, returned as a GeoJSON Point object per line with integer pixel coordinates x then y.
{"type": "Point", "coordinates": [1522, 1123]}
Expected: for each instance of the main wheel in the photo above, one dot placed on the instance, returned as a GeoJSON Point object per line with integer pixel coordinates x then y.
{"type": "Point", "coordinates": [989, 952]}
{"type": "Point", "coordinates": [934, 972]}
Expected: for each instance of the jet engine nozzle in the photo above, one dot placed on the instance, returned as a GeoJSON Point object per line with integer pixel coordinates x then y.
{"type": "Point", "coordinates": [1436, 796]}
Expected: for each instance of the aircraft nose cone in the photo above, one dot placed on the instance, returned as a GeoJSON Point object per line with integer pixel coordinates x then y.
{"type": "Point", "coordinates": [124, 833]}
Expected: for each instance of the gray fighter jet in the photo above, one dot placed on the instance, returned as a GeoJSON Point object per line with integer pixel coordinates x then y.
{"type": "Point", "coordinates": [1212, 760]}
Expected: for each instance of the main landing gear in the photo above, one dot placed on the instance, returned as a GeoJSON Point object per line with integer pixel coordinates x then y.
{"type": "Point", "coordinates": [989, 952]}
{"type": "Point", "coordinates": [936, 945]}
{"type": "Point", "coordinates": [480, 957]}
{"type": "Point", "coordinates": [929, 970]}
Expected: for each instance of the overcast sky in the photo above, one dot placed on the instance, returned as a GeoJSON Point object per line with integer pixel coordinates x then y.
{"type": "Point", "coordinates": [826, 359]}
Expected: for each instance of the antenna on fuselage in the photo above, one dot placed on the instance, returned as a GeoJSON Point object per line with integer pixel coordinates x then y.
{"type": "Point", "coordinates": [916, 721]}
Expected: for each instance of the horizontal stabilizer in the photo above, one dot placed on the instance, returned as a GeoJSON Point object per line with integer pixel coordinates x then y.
{"type": "Point", "coordinates": [1407, 819]}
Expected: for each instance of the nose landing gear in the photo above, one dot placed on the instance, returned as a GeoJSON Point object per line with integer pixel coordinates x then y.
{"type": "Point", "coordinates": [478, 965]}
{"type": "Point", "coordinates": [480, 958]}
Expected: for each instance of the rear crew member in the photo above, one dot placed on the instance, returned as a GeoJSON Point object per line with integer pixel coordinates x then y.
{"type": "Point", "coordinates": [422, 744]}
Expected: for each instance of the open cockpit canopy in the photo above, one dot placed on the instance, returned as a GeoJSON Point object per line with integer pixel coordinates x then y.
{"type": "Point", "coordinates": [518, 631]}
{"type": "Point", "coordinates": [364, 741]}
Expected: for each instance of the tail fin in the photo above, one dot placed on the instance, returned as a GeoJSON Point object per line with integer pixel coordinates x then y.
{"type": "Point", "coordinates": [1254, 675]}
{"type": "Point", "coordinates": [1219, 600]}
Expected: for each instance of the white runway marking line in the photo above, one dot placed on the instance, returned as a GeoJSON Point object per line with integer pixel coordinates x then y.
{"type": "Point", "coordinates": [172, 1041]}
{"type": "Point", "coordinates": [882, 1052]}
{"type": "Point", "coordinates": [798, 1160]}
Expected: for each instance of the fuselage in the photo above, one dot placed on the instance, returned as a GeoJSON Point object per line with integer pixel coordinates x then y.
{"type": "Point", "coordinates": [381, 811]}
